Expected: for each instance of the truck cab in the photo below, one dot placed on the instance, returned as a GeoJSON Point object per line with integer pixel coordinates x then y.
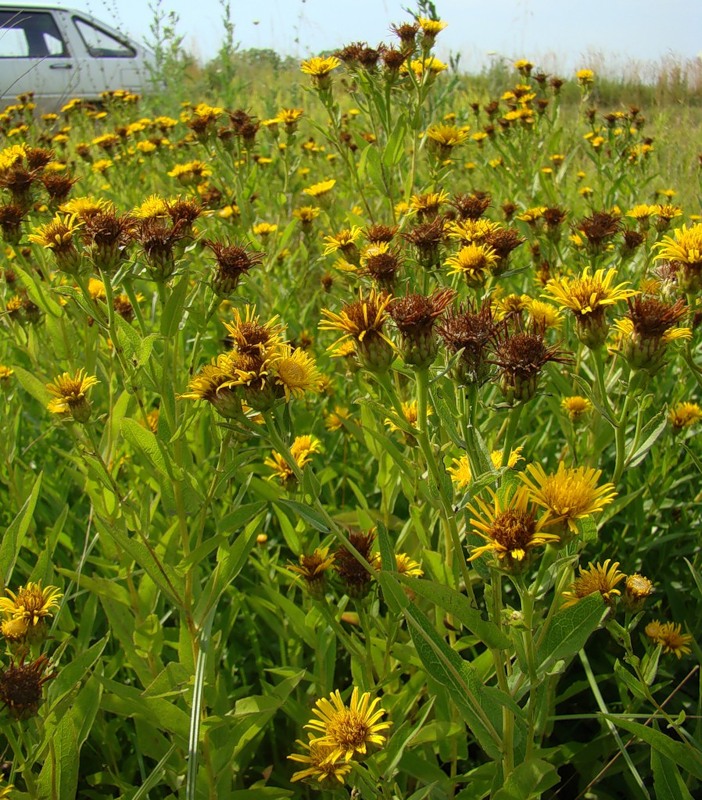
{"type": "Point", "coordinates": [59, 54]}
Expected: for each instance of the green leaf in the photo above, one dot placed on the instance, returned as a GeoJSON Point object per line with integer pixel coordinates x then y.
{"type": "Point", "coordinates": [36, 292]}
{"type": "Point", "coordinates": [667, 780]}
{"type": "Point", "coordinates": [684, 755]}
{"type": "Point", "coordinates": [654, 429]}
{"type": "Point", "coordinates": [143, 439]}
{"type": "Point", "coordinates": [16, 531]}
{"type": "Point", "coordinates": [173, 311]}
{"type": "Point", "coordinates": [480, 708]}
{"type": "Point", "coordinates": [395, 147]}
{"type": "Point", "coordinates": [33, 385]}
{"type": "Point", "coordinates": [458, 606]}
{"type": "Point", "coordinates": [569, 630]}
{"type": "Point", "coordinates": [310, 515]}
{"type": "Point", "coordinates": [529, 780]}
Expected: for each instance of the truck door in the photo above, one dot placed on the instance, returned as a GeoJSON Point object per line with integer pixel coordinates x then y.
{"type": "Point", "coordinates": [34, 56]}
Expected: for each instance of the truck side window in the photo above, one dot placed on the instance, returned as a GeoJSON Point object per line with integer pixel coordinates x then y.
{"type": "Point", "coordinates": [101, 44]}
{"type": "Point", "coordinates": [30, 34]}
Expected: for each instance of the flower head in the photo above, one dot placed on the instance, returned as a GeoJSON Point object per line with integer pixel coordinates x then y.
{"type": "Point", "coordinates": [576, 407]}
{"type": "Point", "coordinates": [21, 687]}
{"type": "Point", "coordinates": [348, 730]}
{"type": "Point", "coordinates": [415, 316]}
{"type": "Point", "coordinates": [509, 527]}
{"type": "Point", "coordinates": [568, 495]}
{"type": "Point", "coordinates": [233, 261]}
{"type": "Point", "coordinates": [588, 297]}
{"type": "Point", "coordinates": [312, 570]}
{"type": "Point", "coordinates": [475, 262]}
{"type": "Point", "coordinates": [57, 236]}
{"type": "Point", "coordinates": [668, 635]}
{"type": "Point", "coordinates": [319, 769]}
{"type": "Point", "coordinates": [363, 321]}
{"type": "Point", "coordinates": [636, 589]}
{"type": "Point", "coordinates": [70, 395]}
{"type": "Point", "coordinates": [320, 69]}
{"type": "Point", "coordinates": [683, 415]}
{"type": "Point", "coordinates": [601, 578]}
{"type": "Point", "coordinates": [27, 611]}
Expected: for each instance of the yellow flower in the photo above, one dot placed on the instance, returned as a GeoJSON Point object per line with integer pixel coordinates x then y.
{"type": "Point", "coordinates": [669, 637]}
{"type": "Point", "coordinates": [585, 76]}
{"type": "Point", "coordinates": [509, 527]}
{"type": "Point", "coordinates": [475, 261]}
{"type": "Point", "coordinates": [348, 730]}
{"type": "Point", "coordinates": [85, 207]}
{"type": "Point", "coordinates": [335, 420]}
{"type": "Point", "coordinates": [70, 395]}
{"type": "Point", "coordinates": [587, 297]}
{"type": "Point", "coordinates": [636, 590]}
{"type": "Point", "coordinates": [31, 602]}
{"type": "Point", "coordinates": [5, 373]}
{"type": "Point", "coordinates": [407, 566]}
{"type": "Point", "coordinates": [601, 578]}
{"type": "Point", "coordinates": [301, 451]}
{"type": "Point", "coordinates": [319, 67]}
{"type": "Point", "coordinates": [685, 245]}
{"type": "Point", "coordinates": [544, 315]}
{"type": "Point", "coordinates": [296, 372]}
{"type": "Point", "coordinates": [431, 27]}
{"type": "Point", "coordinates": [363, 322]}
{"type": "Point", "coordinates": [153, 206]}
{"type": "Point", "coordinates": [571, 494]}
{"type": "Point", "coordinates": [430, 65]}
{"type": "Point", "coordinates": [515, 456]}
{"type": "Point", "coordinates": [344, 240]}
{"type": "Point", "coordinates": [319, 769]}
{"type": "Point", "coordinates": [447, 136]}
{"type": "Point", "coordinates": [312, 568]}
{"type": "Point", "coordinates": [190, 173]}
{"type": "Point", "coordinates": [318, 189]}
{"type": "Point", "coordinates": [215, 383]}
{"type": "Point", "coordinates": [683, 415]}
{"type": "Point", "coordinates": [576, 406]}
{"type": "Point", "coordinates": [264, 229]}
{"type": "Point", "coordinates": [460, 472]}
{"type": "Point", "coordinates": [306, 214]}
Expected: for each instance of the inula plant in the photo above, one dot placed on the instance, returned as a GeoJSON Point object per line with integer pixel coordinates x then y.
{"type": "Point", "coordinates": [350, 439]}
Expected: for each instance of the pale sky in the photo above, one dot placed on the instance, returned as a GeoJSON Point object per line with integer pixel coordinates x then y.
{"type": "Point", "coordinates": [556, 34]}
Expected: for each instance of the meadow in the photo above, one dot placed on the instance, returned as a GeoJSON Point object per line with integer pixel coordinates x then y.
{"type": "Point", "coordinates": [350, 446]}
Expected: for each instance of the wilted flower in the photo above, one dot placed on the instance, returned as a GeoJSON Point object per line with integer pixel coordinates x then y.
{"type": "Point", "coordinates": [312, 570]}
{"type": "Point", "coordinates": [21, 687]}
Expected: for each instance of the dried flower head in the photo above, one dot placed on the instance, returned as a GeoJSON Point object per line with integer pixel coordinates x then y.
{"type": "Point", "coordinates": [415, 316]}
{"type": "Point", "coordinates": [233, 261]}
{"type": "Point", "coordinates": [352, 573]}
{"type": "Point", "coordinates": [21, 687]}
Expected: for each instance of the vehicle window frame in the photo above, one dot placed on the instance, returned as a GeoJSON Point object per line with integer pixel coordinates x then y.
{"type": "Point", "coordinates": [128, 46]}
{"type": "Point", "coordinates": [56, 33]}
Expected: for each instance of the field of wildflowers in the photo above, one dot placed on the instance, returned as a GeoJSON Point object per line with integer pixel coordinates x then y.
{"type": "Point", "coordinates": [350, 440]}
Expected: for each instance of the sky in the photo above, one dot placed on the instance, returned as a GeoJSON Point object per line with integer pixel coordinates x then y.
{"type": "Point", "coordinates": [558, 35]}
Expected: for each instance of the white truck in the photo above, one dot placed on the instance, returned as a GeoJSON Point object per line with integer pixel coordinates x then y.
{"type": "Point", "coordinates": [59, 54]}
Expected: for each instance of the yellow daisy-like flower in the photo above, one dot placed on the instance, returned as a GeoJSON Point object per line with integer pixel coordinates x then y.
{"type": "Point", "coordinates": [407, 566]}
{"type": "Point", "coordinates": [215, 383]}
{"type": "Point", "coordinates": [585, 76]}
{"type": "Point", "coordinates": [363, 321]}
{"type": "Point", "coordinates": [544, 315]}
{"type": "Point", "coordinates": [312, 568]}
{"type": "Point", "coordinates": [31, 605]}
{"type": "Point", "coordinates": [569, 495]}
{"type": "Point", "coordinates": [296, 372]}
{"type": "Point", "coordinates": [5, 373]}
{"type": "Point", "coordinates": [588, 293]}
{"type": "Point", "coordinates": [460, 472]}
{"type": "Point", "coordinates": [319, 769]}
{"type": "Point", "coordinates": [685, 246]}
{"type": "Point", "coordinates": [319, 67]}
{"type": "Point", "coordinates": [306, 214]}
{"type": "Point", "coordinates": [588, 298]}
{"type": "Point", "coordinates": [683, 415]}
{"type": "Point", "coordinates": [409, 414]}
{"type": "Point", "coordinates": [576, 406]}
{"type": "Point", "coordinates": [58, 236]}
{"type": "Point", "coordinates": [85, 207]}
{"type": "Point", "coordinates": [264, 229]}
{"type": "Point", "coordinates": [190, 173]}
{"type": "Point", "coordinates": [154, 206]}
{"type": "Point", "coordinates": [336, 419]}
{"type": "Point", "coordinates": [669, 636]}
{"type": "Point", "coordinates": [447, 136]}
{"type": "Point", "coordinates": [318, 189]}
{"type": "Point", "coordinates": [431, 26]}
{"type": "Point", "coordinates": [70, 395]}
{"type": "Point", "coordinates": [474, 261]}
{"type": "Point", "coordinates": [601, 578]}
{"type": "Point", "coordinates": [344, 240]}
{"type": "Point", "coordinates": [509, 527]}
{"type": "Point", "coordinates": [301, 450]}
{"type": "Point", "coordinates": [515, 456]}
{"type": "Point", "coordinates": [348, 730]}
{"type": "Point", "coordinates": [430, 65]}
